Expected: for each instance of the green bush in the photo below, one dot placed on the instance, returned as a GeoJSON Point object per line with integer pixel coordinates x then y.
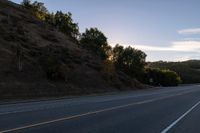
{"type": "Point", "coordinates": [189, 71]}
{"type": "Point", "coordinates": [159, 77]}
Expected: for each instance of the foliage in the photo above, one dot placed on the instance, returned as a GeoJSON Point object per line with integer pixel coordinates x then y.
{"type": "Point", "coordinates": [129, 60]}
{"type": "Point", "coordinates": [95, 41]}
{"type": "Point", "coordinates": [53, 62]}
{"type": "Point", "coordinates": [38, 8]}
{"type": "Point", "coordinates": [26, 3]}
{"type": "Point", "coordinates": [64, 22]}
{"type": "Point", "coordinates": [162, 77]}
{"type": "Point", "coordinates": [108, 68]}
{"type": "Point", "coordinates": [54, 69]}
{"type": "Point", "coordinates": [188, 70]}
{"type": "Point", "coordinates": [60, 20]}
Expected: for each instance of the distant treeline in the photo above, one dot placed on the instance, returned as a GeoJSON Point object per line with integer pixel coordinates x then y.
{"type": "Point", "coordinates": [188, 70]}
{"type": "Point", "coordinates": [128, 60]}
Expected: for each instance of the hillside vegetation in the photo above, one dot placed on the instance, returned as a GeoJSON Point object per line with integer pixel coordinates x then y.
{"type": "Point", "coordinates": [43, 54]}
{"type": "Point", "coordinates": [40, 59]}
{"type": "Point", "coordinates": [188, 70]}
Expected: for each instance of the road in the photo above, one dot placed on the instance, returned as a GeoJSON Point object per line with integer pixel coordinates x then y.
{"type": "Point", "coordinates": [160, 110]}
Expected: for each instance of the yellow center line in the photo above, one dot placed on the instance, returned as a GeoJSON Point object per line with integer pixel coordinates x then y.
{"type": "Point", "coordinates": [88, 113]}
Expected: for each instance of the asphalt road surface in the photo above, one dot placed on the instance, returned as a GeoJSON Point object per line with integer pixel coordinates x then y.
{"type": "Point", "coordinates": [161, 110]}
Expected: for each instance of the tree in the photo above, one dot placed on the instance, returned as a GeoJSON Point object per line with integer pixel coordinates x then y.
{"type": "Point", "coordinates": [64, 22]}
{"type": "Point", "coordinates": [60, 20]}
{"type": "Point", "coordinates": [117, 53]}
{"type": "Point", "coordinates": [188, 70]}
{"type": "Point", "coordinates": [26, 3]}
{"type": "Point", "coordinates": [37, 8]}
{"type": "Point", "coordinates": [95, 41]}
{"type": "Point", "coordinates": [129, 60]}
{"type": "Point", "coordinates": [162, 77]}
{"type": "Point", "coordinates": [40, 10]}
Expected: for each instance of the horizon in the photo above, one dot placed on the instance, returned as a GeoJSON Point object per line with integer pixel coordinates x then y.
{"type": "Point", "coordinates": [164, 30]}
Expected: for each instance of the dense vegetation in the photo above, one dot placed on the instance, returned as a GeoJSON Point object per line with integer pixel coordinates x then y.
{"type": "Point", "coordinates": [128, 60]}
{"type": "Point", "coordinates": [159, 77]}
{"type": "Point", "coordinates": [188, 70]}
{"type": "Point", "coordinates": [60, 20]}
{"type": "Point", "coordinates": [96, 42]}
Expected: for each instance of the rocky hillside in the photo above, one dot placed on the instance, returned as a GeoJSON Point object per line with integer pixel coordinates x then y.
{"type": "Point", "coordinates": [37, 60]}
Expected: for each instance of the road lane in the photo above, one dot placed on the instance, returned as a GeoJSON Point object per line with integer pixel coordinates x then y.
{"type": "Point", "coordinates": [67, 108]}
{"type": "Point", "coordinates": [173, 124]}
{"type": "Point", "coordinates": [32, 106]}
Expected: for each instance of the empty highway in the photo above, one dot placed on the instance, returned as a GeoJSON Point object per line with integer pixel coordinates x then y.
{"type": "Point", "coordinates": [159, 110]}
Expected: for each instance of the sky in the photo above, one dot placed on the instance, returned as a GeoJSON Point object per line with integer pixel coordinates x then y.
{"type": "Point", "coordinates": [166, 30]}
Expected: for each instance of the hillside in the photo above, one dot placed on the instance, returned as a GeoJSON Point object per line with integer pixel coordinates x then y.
{"type": "Point", "coordinates": [36, 60]}
{"type": "Point", "coordinates": [188, 70]}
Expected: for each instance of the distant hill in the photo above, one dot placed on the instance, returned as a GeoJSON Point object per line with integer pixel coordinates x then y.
{"type": "Point", "coordinates": [188, 70]}
{"type": "Point", "coordinates": [31, 50]}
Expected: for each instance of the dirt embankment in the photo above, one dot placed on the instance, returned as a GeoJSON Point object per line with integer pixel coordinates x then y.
{"type": "Point", "coordinates": [37, 60]}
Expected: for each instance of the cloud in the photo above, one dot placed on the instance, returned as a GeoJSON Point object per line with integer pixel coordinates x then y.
{"type": "Point", "coordinates": [179, 46]}
{"type": "Point", "coordinates": [189, 31]}
{"type": "Point", "coordinates": [176, 51]}
{"type": "Point", "coordinates": [152, 48]}
{"type": "Point", "coordinates": [191, 46]}
{"type": "Point", "coordinates": [191, 39]}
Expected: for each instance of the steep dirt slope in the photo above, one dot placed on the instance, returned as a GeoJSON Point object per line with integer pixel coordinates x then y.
{"type": "Point", "coordinates": [38, 60]}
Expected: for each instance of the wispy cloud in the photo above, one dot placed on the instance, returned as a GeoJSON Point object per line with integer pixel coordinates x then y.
{"type": "Point", "coordinates": [152, 48]}
{"type": "Point", "coordinates": [179, 46]}
{"type": "Point", "coordinates": [176, 51]}
{"type": "Point", "coordinates": [189, 31]}
{"type": "Point", "coordinates": [191, 46]}
{"type": "Point", "coordinates": [191, 39]}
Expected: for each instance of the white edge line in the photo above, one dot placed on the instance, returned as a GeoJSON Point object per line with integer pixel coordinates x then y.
{"type": "Point", "coordinates": [180, 118]}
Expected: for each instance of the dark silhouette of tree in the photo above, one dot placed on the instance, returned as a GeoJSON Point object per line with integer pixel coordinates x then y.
{"type": "Point", "coordinates": [129, 60]}
{"type": "Point", "coordinates": [26, 3]}
{"type": "Point", "coordinates": [117, 53]}
{"type": "Point", "coordinates": [37, 8]}
{"type": "Point", "coordinates": [94, 40]}
{"type": "Point", "coordinates": [62, 21]}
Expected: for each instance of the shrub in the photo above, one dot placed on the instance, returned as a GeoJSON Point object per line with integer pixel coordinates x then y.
{"type": "Point", "coordinates": [37, 8]}
{"type": "Point", "coordinates": [159, 77]}
{"type": "Point", "coordinates": [54, 63]}
{"type": "Point", "coordinates": [108, 68]}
